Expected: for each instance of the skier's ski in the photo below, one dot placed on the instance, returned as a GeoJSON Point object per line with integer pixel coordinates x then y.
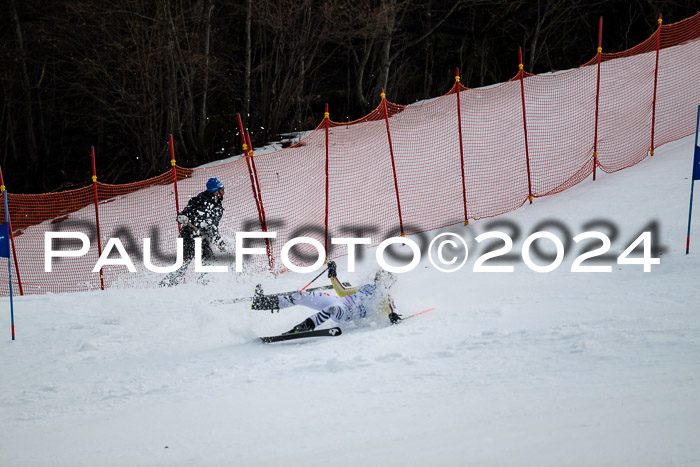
{"type": "Point", "coordinates": [330, 332]}
{"type": "Point", "coordinates": [227, 301]}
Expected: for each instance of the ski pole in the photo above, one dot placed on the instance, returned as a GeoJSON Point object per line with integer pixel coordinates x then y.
{"type": "Point", "coordinates": [416, 314]}
{"type": "Point", "coordinates": [312, 280]}
{"type": "Point", "coordinates": [193, 227]}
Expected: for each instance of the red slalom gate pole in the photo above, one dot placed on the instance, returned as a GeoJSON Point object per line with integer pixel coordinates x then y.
{"type": "Point", "coordinates": [268, 246]}
{"type": "Point", "coordinates": [246, 155]}
{"type": "Point", "coordinates": [172, 163]}
{"type": "Point", "coordinates": [326, 117]}
{"type": "Point", "coordinates": [257, 182]}
{"type": "Point", "coordinates": [97, 213]}
{"type": "Point", "coordinates": [597, 98]}
{"type": "Point", "coordinates": [393, 164]}
{"type": "Point", "coordinates": [656, 80]}
{"type": "Point", "coordinates": [527, 151]}
{"type": "Point", "coordinates": [12, 237]}
{"type": "Point", "coordinates": [240, 130]}
{"type": "Point", "coordinates": [461, 148]}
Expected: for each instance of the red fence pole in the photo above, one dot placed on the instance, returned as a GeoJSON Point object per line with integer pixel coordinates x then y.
{"type": "Point", "coordinates": [12, 237]}
{"type": "Point", "coordinates": [97, 213]}
{"type": "Point", "coordinates": [461, 148]}
{"type": "Point", "coordinates": [393, 164]}
{"type": "Point", "coordinates": [326, 117]}
{"type": "Point", "coordinates": [527, 151]}
{"type": "Point", "coordinates": [656, 79]}
{"type": "Point", "coordinates": [172, 163]}
{"type": "Point", "coordinates": [597, 97]}
{"type": "Point", "coordinates": [268, 246]}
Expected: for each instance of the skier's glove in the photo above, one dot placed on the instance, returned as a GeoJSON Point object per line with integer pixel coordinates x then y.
{"type": "Point", "coordinates": [182, 219]}
{"type": "Point", "coordinates": [331, 270]}
{"type": "Point", "coordinates": [394, 317]}
{"type": "Point", "coordinates": [221, 244]}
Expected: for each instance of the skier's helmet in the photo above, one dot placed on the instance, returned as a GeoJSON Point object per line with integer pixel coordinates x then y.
{"type": "Point", "coordinates": [384, 279]}
{"type": "Point", "coordinates": [214, 185]}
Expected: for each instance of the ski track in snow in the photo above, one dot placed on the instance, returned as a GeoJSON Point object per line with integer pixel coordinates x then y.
{"type": "Point", "coordinates": [509, 369]}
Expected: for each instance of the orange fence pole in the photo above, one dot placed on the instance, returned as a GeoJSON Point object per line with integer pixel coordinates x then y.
{"type": "Point", "coordinates": [597, 97]}
{"type": "Point", "coordinates": [326, 117]}
{"type": "Point", "coordinates": [172, 163]}
{"type": "Point", "coordinates": [393, 164]}
{"type": "Point", "coordinates": [461, 148]}
{"type": "Point", "coordinates": [527, 151]}
{"type": "Point", "coordinates": [12, 237]}
{"type": "Point", "coordinates": [656, 80]}
{"type": "Point", "coordinates": [97, 213]}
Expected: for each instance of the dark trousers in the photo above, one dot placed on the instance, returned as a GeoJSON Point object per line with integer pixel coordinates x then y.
{"type": "Point", "coordinates": [175, 277]}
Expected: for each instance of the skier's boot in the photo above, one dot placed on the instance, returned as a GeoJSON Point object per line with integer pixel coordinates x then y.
{"type": "Point", "coordinates": [265, 302]}
{"type": "Point", "coordinates": [306, 325]}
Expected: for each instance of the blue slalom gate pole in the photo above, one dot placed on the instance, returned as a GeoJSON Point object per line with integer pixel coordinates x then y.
{"type": "Point", "coordinates": [694, 176]}
{"type": "Point", "coordinates": [690, 213]}
{"type": "Point", "coordinates": [9, 270]}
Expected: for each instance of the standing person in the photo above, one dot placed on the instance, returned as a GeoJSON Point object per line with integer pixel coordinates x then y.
{"type": "Point", "coordinates": [351, 304]}
{"type": "Point", "coordinates": [200, 218]}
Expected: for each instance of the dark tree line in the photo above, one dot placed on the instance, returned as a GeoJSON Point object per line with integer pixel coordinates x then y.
{"type": "Point", "coordinates": [121, 75]}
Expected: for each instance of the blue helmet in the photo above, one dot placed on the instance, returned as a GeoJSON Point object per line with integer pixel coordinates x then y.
{"type": "Point", "coordinates": [214, 185]}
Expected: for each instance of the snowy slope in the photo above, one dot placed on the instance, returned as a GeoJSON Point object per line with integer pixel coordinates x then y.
{"type": "Point", "coordinates": [515, 368]}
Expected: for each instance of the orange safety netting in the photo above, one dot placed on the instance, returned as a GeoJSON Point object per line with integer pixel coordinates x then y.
{"type": "Point", "coordinates": [363, 200]}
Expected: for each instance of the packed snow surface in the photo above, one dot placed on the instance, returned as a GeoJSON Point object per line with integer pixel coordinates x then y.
{"type": "Point", "coordinates": [520, 368]}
